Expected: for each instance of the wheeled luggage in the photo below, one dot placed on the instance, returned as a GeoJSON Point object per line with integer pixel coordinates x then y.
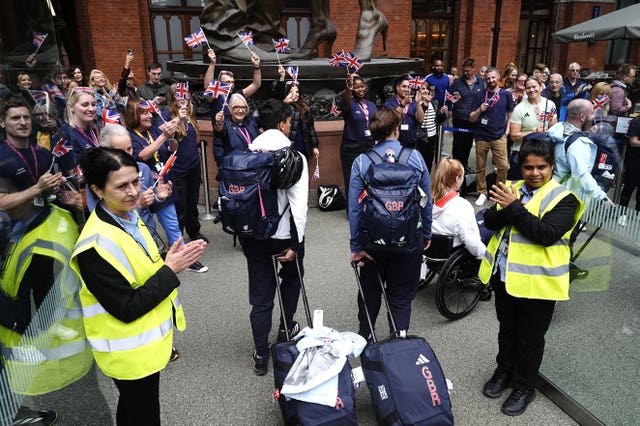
{"type": "Point", "coordinates": [284, 354]}
{"type": "Point", "coordinates": [404, 377]}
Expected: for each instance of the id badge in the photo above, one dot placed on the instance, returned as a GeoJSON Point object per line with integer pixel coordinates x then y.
{"type": "Point", "coordinates": [159, 166]}
{"type": "Point", "coordinates": [367, 133]}
{"type": "Point", "coordinates": [484, 121]}
{"type": "Point", "coordinates": [404, 126]}
{"type": "Point", "coordinates": [38, 201]}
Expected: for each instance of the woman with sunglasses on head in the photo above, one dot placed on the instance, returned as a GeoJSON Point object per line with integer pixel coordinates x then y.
{"type": "Point", "coordinates": [236, 132]}
{"type": "Point", "coordinates": [303, 133]}
{"type": "Point", "coordinates": [357, 112]}
{"type": "Point", "coordinates": [106, 96]}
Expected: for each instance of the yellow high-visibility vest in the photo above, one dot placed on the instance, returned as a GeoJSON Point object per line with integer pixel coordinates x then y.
{"type": "Point", "coordinates": [142, 347]}
{"type": "Point", "coordinates": [534, 271]}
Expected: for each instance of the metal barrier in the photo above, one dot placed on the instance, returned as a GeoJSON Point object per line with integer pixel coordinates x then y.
{"type": "Point", "coordinates": [205, 180]}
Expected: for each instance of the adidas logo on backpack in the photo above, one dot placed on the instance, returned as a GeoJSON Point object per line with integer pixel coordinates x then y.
{"type": "Point", "coordinates": [422, 360]}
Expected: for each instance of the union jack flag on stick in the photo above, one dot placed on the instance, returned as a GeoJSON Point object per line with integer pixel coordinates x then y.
{"type": "Point", "coordinates": [335, 111]}
{"type": "Point", "coordinates": [416, 82]}
{"type": "Point", "coordinates": [182, 90]}
{"type": "Point", "coordinates": [197, 39]}
{"type": "Point", "coordinates": [352, 62]}
{"type": "Point", "coordinates": [293, 72]}
{"type": "Point", "coordinates": [316, 172]}
{"type": "Point", "coordinates": [61, 148]}
{"type": "Point", "coordinates": [38, 40]}
{"type": "Point", "coordinates": [149, 105]}
{"type": "Point", "coordinates": [216, 88]}
{"type": "Point", "coordinates": [281, 45]}
{"type": "Point", "coordinates": [110, 117]}
{"type": "Point", "coordinates": [337, 60]}
{"type": "Point", "coordinates": [247, 39]}
{"type": "Point", "coordinates": [53, 90]}
{"type": "Point", "coordinates": [601, 101]}
{"type": "Point", "coordinates": [448, 97]}
{"type": "Point", "coordinates": [39, 97]}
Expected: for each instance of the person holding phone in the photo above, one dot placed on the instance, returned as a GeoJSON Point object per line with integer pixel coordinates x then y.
{"type": "Point", "coordinates": [126, 85]}
{"type": "Point", "coordinates": [411, 115]}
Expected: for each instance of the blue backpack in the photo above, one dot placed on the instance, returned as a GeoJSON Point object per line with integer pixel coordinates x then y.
{"type": "Point", "coordinates": [249, 204]}
{"type": "Point", "coordinates": [392, 218]}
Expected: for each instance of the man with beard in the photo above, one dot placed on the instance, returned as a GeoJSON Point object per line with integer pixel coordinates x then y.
{"type": "Point", "coordinates": [573, 166]}
{"type": "Point", "coordinates": [491, 114]}
{"type": "Point", "coordinates": [439, 80]}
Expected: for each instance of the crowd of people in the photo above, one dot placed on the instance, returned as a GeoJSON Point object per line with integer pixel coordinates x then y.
{"type": "Point", "coordinates": [118, 158]}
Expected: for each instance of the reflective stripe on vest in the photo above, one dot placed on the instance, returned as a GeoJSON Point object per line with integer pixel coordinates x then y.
{"type": "Point", "coordinates": [109, 245]}
{"type": "Point", "coordinates": [538, 270]}
{"type": "Point", "coordinates": [133, 342]}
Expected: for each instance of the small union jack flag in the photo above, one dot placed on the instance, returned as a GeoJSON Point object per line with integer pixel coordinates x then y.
{"type": "Point", "coordinates": [38, 39]}
{"type": "Point", "coordinates": [53, 91]}
{"type": "Point", "coordinates": [601, 101]}
{"type": "Point", "coordinates": [448, 97]}
{"type": "Point", "coordinates": [182, 90]}
{"type": "Point", "coordinates": [550, 114]}
{"type": "Point", "coordinates": [149, 105]}
{"type": "Point", "coordinates": [196, 39]}
{"type": "Point", "coordinates": [217, 88]}
{"type": "Point", "coordinates": [246, 37]}
{"type": "Point", "coordinates": [316, 172]}
{"type": "Point", "coordinates": [337, 60]}
{"type": "Point", "coordinates": [61, 148]}
{"type": "Point", "coordinates": [110, 117]}
{"type": "Point", "coordinates": [281, 45]}
{"type": "Point", "coordinates": [494, 99]}
{"type": "Point", "coordinates": [293, 72]}
{"type": "Point", "coordinates": [335, 111]}
{"type": "Point", "coordinates": [39, 97]}
{"type": "Point", "coordinates": [416, 82]}
{"type": "Point", "coordinates": [352, 61]}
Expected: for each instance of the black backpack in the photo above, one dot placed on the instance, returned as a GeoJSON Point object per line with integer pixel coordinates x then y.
{"type": "Point", "coordinates": [391, 218]}
{"type": "Point", "coordinates": [248, 202]}
{"type": "Point", "coordinates": [608, 162]}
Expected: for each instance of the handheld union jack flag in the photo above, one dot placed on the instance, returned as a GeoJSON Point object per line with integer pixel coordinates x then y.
{"type": "Point", "coordinates": [281, 45]}
{"type": "Point", "coordinates": [53, 90]}
{"type": "Point", "coordinates": [601, 101]}
{"type": "Point", "coordinates": [61, 148]}
{"type": "Point", "coordinates": [149, 105]}
{"type": "Point", "coordinates": [293, 72]}
{"type": "Point", "coordinates": [246, 37]}
{"type": "Point", "coordinates": [352, 61]}
{"type": "Point", "coordinates": [448, 97]}
{"type": "Point", "coordinates": [316, 172]}
{"type": "Point", "coordinates": [335, 111]}
{"type": "Point", "coordinates": [182, 90]}
{"type": "Point", "coordinates": [110, 117]}
{"type": "Point", "coordinates": [196, 39]}
{"type": "Point", "coordinates": [39, 97]}
{"type": "Point", "coordinates": [416, 82]}
{"type": "Point", "coordinates": [38, 39]}
{"type": "Point", "coordinates": [217, 88]}
{"type": "Point", "coordinates": [494, 99]}
{"type": "Point", "coordinates": [337, 60]}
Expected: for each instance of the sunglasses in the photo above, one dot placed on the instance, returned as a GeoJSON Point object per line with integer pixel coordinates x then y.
{"type": "Point", "coordinates": [82, 89]}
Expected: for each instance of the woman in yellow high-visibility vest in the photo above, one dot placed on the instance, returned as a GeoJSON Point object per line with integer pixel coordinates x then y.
{"type": "Point", "coordinates": [527, 263]}
{"type": "Point", "coordinates": [129, 294]}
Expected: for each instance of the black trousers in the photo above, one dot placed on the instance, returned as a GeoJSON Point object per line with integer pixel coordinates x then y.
{"type": "Point", "coordinates": [462, 142]}
{"type": "Point", "coordinates": [523, 324]}
{"type": "Point", "coordinates": [427, 148]}
{"type": "Point", "coordinates": [262, 286]}
{"type": "Point", "coordinates": [139, 402]}
{"type": "Point", "coordinates": [347, 157]}
{"type": "Point", "coordinates": [188, 189]}
{"type": "Point", "coordinates": [631, 177]}
{"type": "Point", "coordinates": [401, 273]}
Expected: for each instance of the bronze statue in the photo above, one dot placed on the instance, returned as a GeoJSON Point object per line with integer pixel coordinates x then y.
{"type": "Point", "coordinates": [222, 20]}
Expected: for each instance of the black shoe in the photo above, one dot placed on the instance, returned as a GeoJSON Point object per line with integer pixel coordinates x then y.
{"type": "Point", "coordinates": [293, 330]}
{"type": "Point", "coordinates": [35, 417]}
{"type": "Point", "coordinates": [174, 355]}
{"type": "Point", "coordinates": [497, 384]}
{"type": "Point", "coordinates": [198, 267]}
{"type": "Point", "coordinates": [260, 364]}
{"type": "Point", "coordinates": [518, 401]}
{"type": "Point", "coordinates": [199, 236]}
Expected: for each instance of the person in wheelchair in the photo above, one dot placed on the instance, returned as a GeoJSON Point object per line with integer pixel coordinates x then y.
{"type": "Point", "coordinates": [453, 215]}
{"type": "Point", "coordinates": [527, 263]}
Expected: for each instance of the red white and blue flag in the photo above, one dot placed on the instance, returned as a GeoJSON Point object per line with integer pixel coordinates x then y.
{"type": "Point", "coordinates": [601, 101]}
{"type": "Point", "coordinates": [316, 172]}
{"type": "Point", "coordinates": [149, 105]}
{"type": "Point", "coordinates": [494, 99]}
{"type": "Point", "coordinates": [182, 90]}
{"type": "Point", "coordinates": [335, 111]}
{"type": "Point", "coordinates": [246, 37]}
{"type": "Point", "coordinates": [217, 88]}
{"type": "Point", "coordinates": [196, 39]}
{"type": "Point", "coordinates": [416, 82]}
{"type": "Point", "coordinates": [53, 90]}
{"type": "Point", "coordinates": [61, 148]}
{"type": "Point", "coordinates": [352, 61]}
{"type": "Point", "coordinates": [293, 72]}
{"type": "Point", "coordinates": [38, 39]}
{"type": "Point", "coordinates": [337, 60]}
{"type": "Point", "coordinates": [110, 117]}
{"type": "Point", "coordinates": [39, 97]}
{"type": "Point", "coordinates": [448, 97]}
{"type": "Point", "coordinates": [281, 45]}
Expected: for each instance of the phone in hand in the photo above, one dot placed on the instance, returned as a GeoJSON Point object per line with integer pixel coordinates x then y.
{"type": "Point", "coordinates": [129, 51]}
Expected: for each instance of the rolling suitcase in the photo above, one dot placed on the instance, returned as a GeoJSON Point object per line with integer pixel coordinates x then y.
{"type": "Point", "coordinates": [404, 377]}
{"type": "Point", "coordinates": [284, 354]}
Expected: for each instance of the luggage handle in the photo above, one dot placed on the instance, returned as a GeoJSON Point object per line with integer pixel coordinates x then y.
{"type": "Point", "coordinates": [355, 267]}
{"type": "Point", "coordinates": [305, 301]}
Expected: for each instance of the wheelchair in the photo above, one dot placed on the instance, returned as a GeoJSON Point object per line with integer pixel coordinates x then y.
{"type": "Point", "coordinates": [458, 289]}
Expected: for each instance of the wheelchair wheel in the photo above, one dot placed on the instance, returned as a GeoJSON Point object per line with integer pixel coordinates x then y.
{"type": "Point", "coordinates": [458, 289]}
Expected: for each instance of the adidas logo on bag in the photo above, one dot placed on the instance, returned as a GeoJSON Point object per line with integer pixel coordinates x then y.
{"type": "Point", "coordinates": [422, 360]}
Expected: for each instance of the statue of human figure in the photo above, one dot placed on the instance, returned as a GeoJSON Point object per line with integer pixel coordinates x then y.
{"type": "Point", "coordinates": [223, 20]}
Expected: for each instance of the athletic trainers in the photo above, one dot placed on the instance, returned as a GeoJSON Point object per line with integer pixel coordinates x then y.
{"type": "Point", "coordinates": [174, 355]}
{"type": "Point", "coordinates": [199, 236]}
{"type": "Point", "coordinates": [293, 330]}
{"type": "Point", "coordinates": [260, 364]}
{"type": "Point", "coordinates": [27, 416]}
{"type": "Point", "coordinates": [482, 198]}
{"type": "Point", "coordinates": [198, 267]}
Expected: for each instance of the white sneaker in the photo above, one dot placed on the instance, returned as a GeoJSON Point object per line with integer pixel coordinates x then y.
{"type": "Point", "coordinates": [622, 220]}
{"type": "Point", "coordinates": [482, 198]}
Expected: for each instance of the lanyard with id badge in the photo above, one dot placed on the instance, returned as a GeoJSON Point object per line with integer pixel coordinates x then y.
{"type": "Point", "coordinates": [365, 110]}
{"type": "Point", "coordinates": [149, 140]}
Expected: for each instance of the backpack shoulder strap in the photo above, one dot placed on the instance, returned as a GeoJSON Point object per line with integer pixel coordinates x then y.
{"type": "Point", "coordinates": [374, 156]}
{"type": "Point", "coordinates": [403, 156]}
{"type": "Point", "coordinates": [572, 138]}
